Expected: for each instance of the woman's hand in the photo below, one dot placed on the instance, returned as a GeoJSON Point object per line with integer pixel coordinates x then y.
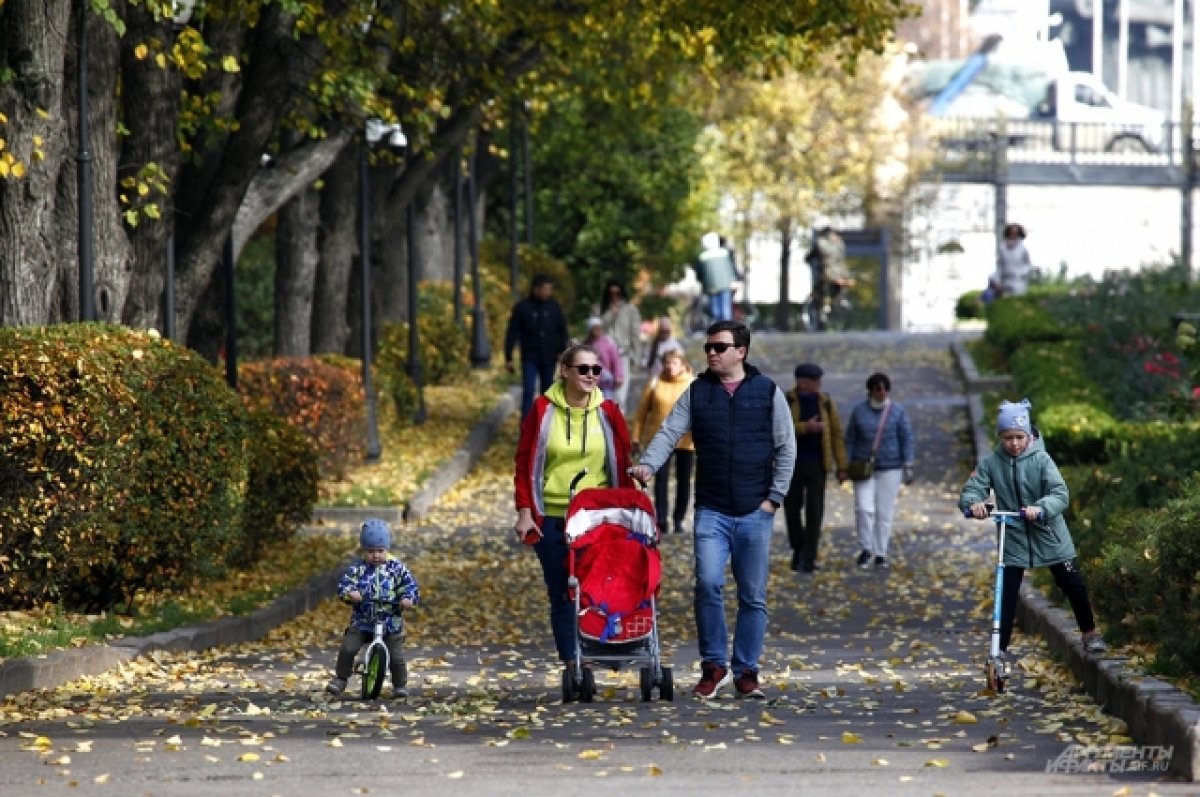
{"type": "Point", "coordinates": [525, 529]}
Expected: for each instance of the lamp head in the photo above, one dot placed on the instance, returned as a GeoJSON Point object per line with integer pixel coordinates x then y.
{"type": "Point", "coordinates": [392, 135]}
{"type": "Point", "coordinates": [181, 11]}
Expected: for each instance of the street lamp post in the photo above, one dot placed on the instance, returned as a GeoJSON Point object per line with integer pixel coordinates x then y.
{"type": "Point", "coordinates": [414, 348]}
{"type": "Point", "coordinates": [87, 293]}
{"type": "Point", "coordinates": [481, 348]}
{"type": "Point", "coordinates": [375, 131]}
{"type": "Point", "coordinates": [182, 13]}
{"type": "Point", "coordinates": [229, 271]}
{"type": "Point", "coordinates": [514, 230]}
{"type": "Point", "coordinates": [374, 449]}
{"type": "Point", "coordinates": [528, 184]}
{"type": "Point", "coordinates": [457, 177]}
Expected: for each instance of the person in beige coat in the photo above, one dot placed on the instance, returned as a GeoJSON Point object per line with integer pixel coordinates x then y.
{"type": "Point", "coordinates": [623, 323]}
{"type": "Point", "coordinates": [820, 448]}
{"type": "Point", "coordinates": [659, 397]}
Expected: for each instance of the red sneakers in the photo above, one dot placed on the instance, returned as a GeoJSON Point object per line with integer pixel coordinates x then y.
{"type": "Point", "coordinates": [714, 677]}
{"type": "Point", "coordinates": [747, 686]}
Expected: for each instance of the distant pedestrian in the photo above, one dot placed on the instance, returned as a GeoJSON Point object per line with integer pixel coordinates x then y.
{"type": "Point", "coordinates": [610, 357]}
{"type": "Point", "coordinates": [820, 449]}
{"type": "Point", "coordinates": [377, 582]}
{"type": "Point", "coordinates": [662, 341]}
{"type": "Point", "coordinates": [537, 325]}
{"type": "Point", "coordinates": [1025, 479]}
{"type": "Point", "coordinates": [745, 451]}
{"type": "Point", "coordinates": [572, 429]}
{"type": "Point", "coordinates": [657, 400]}
{"type": "Point", "coordinates": [878, 433]}
{"type": "Point", "coordinates": [1012, 264]}
{"type": "Point", "coordinates": [831, 277]}
{"type": "Point", "coordinates": [624, 325]}
{"type": "Point", "coordinates": [716, 273]}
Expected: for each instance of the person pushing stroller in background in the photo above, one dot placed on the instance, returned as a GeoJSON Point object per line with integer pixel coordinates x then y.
{"type": "Point", "coordinates": [1026, 480]}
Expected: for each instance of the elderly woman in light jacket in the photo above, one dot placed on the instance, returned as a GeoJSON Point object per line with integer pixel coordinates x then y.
{"type": "Point", "coordinates": [891, 450]}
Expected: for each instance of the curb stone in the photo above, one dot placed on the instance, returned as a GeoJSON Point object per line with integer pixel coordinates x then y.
{"type": "Point", "coordinates": [63, 666]}
{"type": "Point", "coordinates": [1156, 712]}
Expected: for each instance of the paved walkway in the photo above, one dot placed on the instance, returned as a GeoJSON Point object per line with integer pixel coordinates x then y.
{"type": "Point", "coordinates": [874, 678]}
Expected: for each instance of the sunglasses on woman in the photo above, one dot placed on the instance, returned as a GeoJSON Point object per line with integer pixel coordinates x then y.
{"type": "Point", "coordinates": [584, 370]}
{"type": "Point", "coordinates": [719, 347]}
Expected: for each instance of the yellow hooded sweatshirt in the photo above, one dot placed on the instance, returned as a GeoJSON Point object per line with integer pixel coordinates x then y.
{"type": "Point", "coordinates": [576, 442]}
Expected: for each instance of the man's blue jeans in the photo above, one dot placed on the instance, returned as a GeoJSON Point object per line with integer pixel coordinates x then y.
{"type": "Point", "coordinates": [744, 542]}
{"type": "Point", "coordinates": [720, 305]}
{"type": "Point", "coordinates": [552, 553]}
{"type": "Point", "coordinates": [533, 375]}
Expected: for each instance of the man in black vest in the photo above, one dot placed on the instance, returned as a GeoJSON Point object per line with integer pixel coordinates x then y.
{"type": "Point", "coordinates": [745, 453]}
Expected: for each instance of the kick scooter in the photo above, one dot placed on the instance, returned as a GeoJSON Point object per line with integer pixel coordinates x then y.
{"type": "Point", "coordinates": [996, 671]}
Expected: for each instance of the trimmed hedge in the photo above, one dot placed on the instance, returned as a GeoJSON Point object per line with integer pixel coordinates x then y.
{"type": "Point", "coordinates": [323, 399]}
{"type": "Point", "coordinates": [1015, 321]}
{"type": "Point", "coordinates": [123, 466]}
{"type": "Point", "coordinates": [1147, 579]}
{"type": "Point", "coordinates": [284, 482]}
{"type": "Point", "coordinates": [1068, 407]}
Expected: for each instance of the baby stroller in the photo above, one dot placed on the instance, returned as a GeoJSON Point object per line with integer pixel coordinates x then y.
{"type": "Point", "coordinates": [613, 572]}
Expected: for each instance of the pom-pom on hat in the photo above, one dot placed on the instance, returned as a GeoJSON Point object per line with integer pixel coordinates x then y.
{"type": "Point", "coordinates": [809, 371]}
{"type": "Point", "coordinates": [375, 533]}
{"type": "Point", "coordinates": [1014, 416]}
{"type": "Point", "coordinates": [595, 321]}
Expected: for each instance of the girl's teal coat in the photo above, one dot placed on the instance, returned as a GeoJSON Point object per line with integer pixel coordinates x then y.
{"type": "Point", "coordinates": [1031, 479]}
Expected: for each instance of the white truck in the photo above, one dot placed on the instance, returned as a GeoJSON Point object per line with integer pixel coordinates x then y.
{"type": "Point", "coordinates": [1086, 116]}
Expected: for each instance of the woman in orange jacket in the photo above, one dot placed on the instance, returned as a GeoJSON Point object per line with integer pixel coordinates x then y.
{"type": "Point", "coordinates": [659, 397]}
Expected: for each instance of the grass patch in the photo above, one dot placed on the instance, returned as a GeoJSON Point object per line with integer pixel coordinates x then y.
{"type": "Point", "coordinates": [35, 632]}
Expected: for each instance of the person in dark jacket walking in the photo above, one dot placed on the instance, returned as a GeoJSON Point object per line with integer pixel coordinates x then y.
{"type": "Point", "coordinates": [538, 326]}
{"type": "Point", "coordinates": [745, 451]}
{"type": "Point", "coordinates": [1025, 479]}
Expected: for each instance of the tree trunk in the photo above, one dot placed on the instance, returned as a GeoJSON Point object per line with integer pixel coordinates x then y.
{"type": "Point", "coordinates": [151, 119]}
{"type": "Point", "coordinates": [295, 273]}
{"type": "Point", "coordinates": [32, 47]}
{"type": "Point", "coordinates": [338, 244]}
{"type": "Point", "coordinates": [783, 311]}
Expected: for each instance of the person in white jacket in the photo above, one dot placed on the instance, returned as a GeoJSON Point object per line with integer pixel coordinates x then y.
{"type": "Point", "coordinates": [1012, 263]}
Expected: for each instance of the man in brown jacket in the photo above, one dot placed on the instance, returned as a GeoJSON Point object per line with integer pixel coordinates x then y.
{"type": "Point", "coordinates": [820, 448]}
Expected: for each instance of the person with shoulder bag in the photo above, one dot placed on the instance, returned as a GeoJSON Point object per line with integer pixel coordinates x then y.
{"type": "Point", "coordinates": [879, 442]}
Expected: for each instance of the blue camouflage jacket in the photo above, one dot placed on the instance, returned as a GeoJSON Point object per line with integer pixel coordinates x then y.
{"type": "Point", "coordinates": [390, 581]}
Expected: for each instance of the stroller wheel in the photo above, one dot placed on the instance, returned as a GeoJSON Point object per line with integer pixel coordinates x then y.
{"type": "Point", "coordinates": [587, 690]}
{"type": "Point", "coordinates": [666, 689]}
{"type": "Point", "coordinates": [568, 685]}
{"type": "Point", "coordinates": [646, 682]}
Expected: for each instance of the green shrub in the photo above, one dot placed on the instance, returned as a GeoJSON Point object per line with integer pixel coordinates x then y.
{"type": "Point", "coordinates": [1014, 321]}
{"type": "Point", "coordinates": [283, 483]}
{"type": "Point", "coordinates": [123, 466]}
{"type": "Point", "coordinates": [1147, 583]}
{"type": "Point", "coordinates": [969, 305]}
{"type": "Point", "coordinates": [323, 400]}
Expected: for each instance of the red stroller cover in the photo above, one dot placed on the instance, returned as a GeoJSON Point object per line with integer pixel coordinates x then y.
{"type": "Point", "coordinates": [614, 555]}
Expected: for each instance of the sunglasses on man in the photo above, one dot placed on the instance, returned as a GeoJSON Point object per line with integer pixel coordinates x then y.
{"type": "Point", "coordinates": [720, 347]}
{"type": "Point", "coordinates": [584, 370]}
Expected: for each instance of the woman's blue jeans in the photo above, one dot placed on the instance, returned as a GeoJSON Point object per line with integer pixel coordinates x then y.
{"type": "Point", "coordinates": [745, 543]}
{"type": "Point", "coordinates": [552, 553]}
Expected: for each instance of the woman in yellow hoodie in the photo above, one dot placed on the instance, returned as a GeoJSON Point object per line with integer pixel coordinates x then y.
{"type": "Point", "coordinates": [660, 396]}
